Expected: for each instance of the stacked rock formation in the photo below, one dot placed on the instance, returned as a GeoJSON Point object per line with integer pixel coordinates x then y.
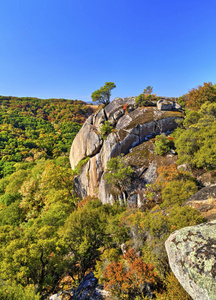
{"type": "Point", "coordinates": [131, 126]}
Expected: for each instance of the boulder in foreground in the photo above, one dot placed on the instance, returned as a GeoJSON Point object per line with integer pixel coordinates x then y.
{"type": "Point", "coordinates": [192, 257]}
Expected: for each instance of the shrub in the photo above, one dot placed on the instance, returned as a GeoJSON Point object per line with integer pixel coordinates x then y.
{"type": "Point", "coordinates": [80, 165]}
{"type": "Point", "coordinates": [145, 98]}
{"type": "Point", "coordinates": [174, 290]}
{"type": "Point", "coordinates": [163, 144]}
{"type": "Point", "coordinates": [118, 174]}
{"type": "Point", "coordinates": [106, 129]}
{"type": "Point", "coordinates": [177, 192]}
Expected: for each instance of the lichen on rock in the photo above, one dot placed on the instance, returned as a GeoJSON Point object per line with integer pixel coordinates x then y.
{"type": "Point", "coordinates": [191, 252]}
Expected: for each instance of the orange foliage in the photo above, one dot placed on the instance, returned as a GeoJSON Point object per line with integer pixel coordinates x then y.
{"type": "Point", "coordinates": [170, 138]}
{"type": "Point", "coordinates": [82, 203]}
{"type": "Point", "coordinates": [197, 97]}
{"type": "Point", "coordinates": [125, 106]}
{"type": "Point", "coordinates": [169, 173]}
{"type": "Point", "coordinates": [130, 276]}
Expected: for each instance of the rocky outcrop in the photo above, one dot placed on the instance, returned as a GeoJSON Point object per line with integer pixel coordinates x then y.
{"type": "Point", "coordinates": [192, 258]}
{"type": "Point", "coordinates": [204, 201]}
{"type": "Point", "coordinates": [168, 104]}
{"type": "Point", "coordinates": [207, 178]}
{"type": "Point", "coordinates": [131, 127]}
{"type": "Point", "coordinates": [87, 290]}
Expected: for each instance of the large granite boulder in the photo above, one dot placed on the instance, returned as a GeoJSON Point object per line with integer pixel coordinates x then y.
{"type": "Point", "coordinates": [168, 104]}
{"type": "Point", "coordinates": [192, 257]}
{"type": "Point", "coordinates": [131, 127]}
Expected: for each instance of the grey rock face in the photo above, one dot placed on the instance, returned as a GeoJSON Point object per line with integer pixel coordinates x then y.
{"type": "Point", "coordinates": [132, 126]}
{"type": "Point", "coordinates": [86, 143]}
{"type": "Point", "coordinates": [204, 201]}
{"type": "Point", "coordinates": [192, 257]}
{"type": "Point", "coordinates": [168, 104]}
{"type": "Point", "coordinates": [87, 290]}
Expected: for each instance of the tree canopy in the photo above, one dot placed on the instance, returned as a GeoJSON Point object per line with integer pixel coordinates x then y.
{"type": "Point", "coordinates": [103, 94]}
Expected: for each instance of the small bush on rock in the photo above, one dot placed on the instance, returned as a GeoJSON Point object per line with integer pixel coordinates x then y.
{"type": "Point", "coordinates": [106, 129]}
{"type": "Point", "coordinates": [145, 98]}
{"type": "Point", "coordinates": [163, 144]}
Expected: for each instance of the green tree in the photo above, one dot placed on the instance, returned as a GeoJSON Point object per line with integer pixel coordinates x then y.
{"type": "Point", "coordinates": [119, 174]}
{"type": "Point", "coordinates": [103, 94]}
{"type": "Point", "coordinates": [145, 98]}
{"type": "Point", "coordinates": [14, 291]}
{"type": "Point", "coordinates": [195, 143]}
{"type": "Point", "coordinates": [162, 144]}
{"type": "Point", "coordinates": [177, 192]}
{"type": "Point", "coordinates": [84, 234]}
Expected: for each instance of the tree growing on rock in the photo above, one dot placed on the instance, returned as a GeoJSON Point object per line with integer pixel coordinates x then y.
{"type": "Point", "coordinates": [162, 144]}
{"type": "Point", "coordinates": [145, 98]}
{"type": "Point", "coordinates": [103, 94]}
{"type": "Point", "coordinates": [118, 174]}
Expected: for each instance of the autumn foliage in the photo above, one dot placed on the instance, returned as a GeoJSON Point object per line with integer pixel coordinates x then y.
{"type": "Point", "coordinates": [199, 96]}
{"type": "Point", "coordinates": [130, 277]}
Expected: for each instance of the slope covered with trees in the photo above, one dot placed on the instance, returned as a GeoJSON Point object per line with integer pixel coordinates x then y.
{"type": "Point", "coordinates": [50, 238]}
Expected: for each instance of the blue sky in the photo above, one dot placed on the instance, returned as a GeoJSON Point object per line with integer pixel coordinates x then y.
{"type": "Point", "coordinates": [69, 48]}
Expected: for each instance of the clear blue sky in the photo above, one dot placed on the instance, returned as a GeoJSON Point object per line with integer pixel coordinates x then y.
{"type": "Point", "coordinates": [69, 48]}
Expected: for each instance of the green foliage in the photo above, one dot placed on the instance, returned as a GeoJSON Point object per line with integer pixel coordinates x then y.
{"type": "Point", "coordinates": [14, 291]}
{"type": "Point", "coordinates": [184, 216]}
{"type": "Point", "coordinates": [195, 143]}
{"type": "Point", "coordinates": [173, 291]}
{"type": "Point", "coordinates": [11, 214]}
{"type": "Point", "coordinates": [183, 101]}
{"type": "Point", "coordinates": [103, 94]}
{"type": "Point", "coordinates": [141, 100]}
{"type": "Point", "coordinates": [177, 192]}
{"type": "Point", "coordinates": [33, 128]}
{"type": "Point", "coordinates": [106, 129]}
{"type": "Point", "coordinates": [118, 174]}
{"type": "Point", "coordinates": [162, 144]}
{"type": "Point", "coordinates": [153, 228]}
{"type": "Point", "coordinates": [80, 165]}
{"type": "Point", "coordinates": [9, 198]}
{"type": "Point", "coordinates": [145, 98]}
{"type": "Point", "coordinates": [84, 233]}
{"type": "Point", "coordinates": [46, 232]}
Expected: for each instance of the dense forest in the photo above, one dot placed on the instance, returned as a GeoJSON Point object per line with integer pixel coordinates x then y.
{"type": "Point", "coordinates": [50, 238]}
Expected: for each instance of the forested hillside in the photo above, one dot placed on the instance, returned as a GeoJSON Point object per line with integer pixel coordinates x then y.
{"type": "Point", "coordinates": [35, 139]}
{"type": "Point", "coordinates": [33, 128]}
{"type": "Point", "coordinates": [50, 238]}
